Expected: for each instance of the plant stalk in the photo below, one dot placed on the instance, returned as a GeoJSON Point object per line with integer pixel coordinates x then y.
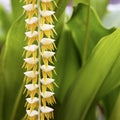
{"type": "Point", "coordinates": [39, 56]}
{"type": "Point", "coordinates": [85, 45]}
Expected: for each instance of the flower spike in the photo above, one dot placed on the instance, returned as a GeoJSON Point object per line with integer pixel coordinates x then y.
{"type": "Point", "coordinates": [39, 59]}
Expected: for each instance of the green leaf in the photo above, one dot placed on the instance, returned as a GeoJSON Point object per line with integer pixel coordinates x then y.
{"type": "Point", "coordinates": [17, 9]}
{"type": "Point", "coordinates": [112, 79]}
{"type": "Point", "coordinates": [1, 95]}
{"type": "Point", "coordinates": [85, 90]}
{"type": "Point", "coordinates": [91, 113]}
{"type": "Point", "coordinates": [66, 58]}
{"type": "Point", "coordinates": [1, 91]}
{"type": "Point", "coordinates": [100, 6]}
{"type": "Point", "coordinates": [115, 115]}
{"type": "Point", "coordinates": [76, 2]}
{"type": "Point", "coordinates": [78, 23]}
{"type": "Point", "coordinates": [109, 101]}
{"type": "Point", "coordinates": [61, 7]}
{"type": "Point", "coordinates": [12, 62]}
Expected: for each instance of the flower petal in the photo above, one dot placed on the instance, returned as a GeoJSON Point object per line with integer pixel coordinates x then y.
{"type": "Point", "coordinates": [46, 41]}
{"type": "Point", "coordinates": [33, 113]}
{"type": "Point", "coordinates": [32, 20]}
{"type": "Point", "coordinates": [46, 0]}
{"type": "Point", "coordinates": [47, 54]}
{"type": "Point", "coordinates": [46, 13]}
{"type": "Point", "coordinates": [31, 87]}
{"type": "Point", "coordinates": [31, 74]}
{"type": "Point", "coordinates": [29, 7]}
{"type": "Point", "coordinates": [31, 101]}
{"type": "Point", "coordinates": [48, 68]}
{"type": "Point", "coordinates": [31, 48]}
{"type": "Point", "coordinates": [47, 81]}
{"type": "Point", "coordinates": [31, 60]}
{"type": "Point", "coordinates": [31, 34]}
{"type": "Point", "coordinates": [46, 27]}
{"type": "Point", "coordinates": [46, 109]}
{"type": "Point", "coordinates": [47, 94]}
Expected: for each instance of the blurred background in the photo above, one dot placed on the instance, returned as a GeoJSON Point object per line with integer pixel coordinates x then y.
{"type": "Point", "coordinates": [7, 4]}
{"type": "Point", "coordinates": [114, 1]}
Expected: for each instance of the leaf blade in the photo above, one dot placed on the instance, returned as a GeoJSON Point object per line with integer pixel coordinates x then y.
{"type": "Point", "coordinates": [12, 62]}
{"type": "Point", "coordinates": [77, 107]}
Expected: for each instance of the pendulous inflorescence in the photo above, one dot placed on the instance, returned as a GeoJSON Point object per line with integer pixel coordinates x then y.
{"type": "Point", "coordinates": [39, 59]}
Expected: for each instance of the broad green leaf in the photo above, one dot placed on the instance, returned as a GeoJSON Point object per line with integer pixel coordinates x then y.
{"type": "Point", "coordinates": [12, 62]}
{"type": "Point", "coordinates": [76, 2]}
{"type": "Point", "coordinates": [67, 65]}
{"type": "Point", "coordinates": [91, 113]}
{"type": "Point", "coordinates": [1, 95]}
{"type": "Point", "coordinates": [115, 115]}
{"type": "Point", "coordinates": [112, 79]}
{"type": "Point", "coordinates": [17, 9]}
{"type": "Point", "coordinates": [100, 6]}
{"type": "Point", "coordinates": [59, 13]}
{"type": "Point", "coordinates": [108, 102]}
{"type": "Point", "coordinates": [61, 7]}
{"type": "Point", "coordinates": [2, 87]}
{"type": "Point", "coordinates": [78, 23]}
{"type": "Point", "coordinates": [111, 82]}
{"type": "Point", "coordinates": [85, 90]}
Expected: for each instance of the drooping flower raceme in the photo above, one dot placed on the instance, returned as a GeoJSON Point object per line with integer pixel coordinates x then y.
{"type": "Point", "coordinates": [39, 59]}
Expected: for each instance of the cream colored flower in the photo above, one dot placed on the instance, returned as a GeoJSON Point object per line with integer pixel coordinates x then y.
{"type": "Point", "coordinates": [39, 59]}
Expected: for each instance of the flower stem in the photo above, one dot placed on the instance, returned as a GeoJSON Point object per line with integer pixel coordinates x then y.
{"type": "Point", "coordinates": [85, 46]}
{"type": "Point", "coordinates": [39, 56]}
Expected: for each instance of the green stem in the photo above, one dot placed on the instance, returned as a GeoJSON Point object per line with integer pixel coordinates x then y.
{"type": "Point", "coordinates": [85, 46]}
{"type": "Point", "coordinates": [39, 56]}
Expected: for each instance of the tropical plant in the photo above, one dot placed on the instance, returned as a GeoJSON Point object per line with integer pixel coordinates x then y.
{"type": "Point", "coordinates": [87, 66]}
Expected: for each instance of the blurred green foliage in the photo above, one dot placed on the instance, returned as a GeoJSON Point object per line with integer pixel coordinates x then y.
{"type": "Point", "coordinates": [5, 22]}
{"type": "Point", "coordinates": [82, 88]}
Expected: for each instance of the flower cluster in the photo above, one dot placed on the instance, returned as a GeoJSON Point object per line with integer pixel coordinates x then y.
{"type": "Point", "coordinates": [39, 57]}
